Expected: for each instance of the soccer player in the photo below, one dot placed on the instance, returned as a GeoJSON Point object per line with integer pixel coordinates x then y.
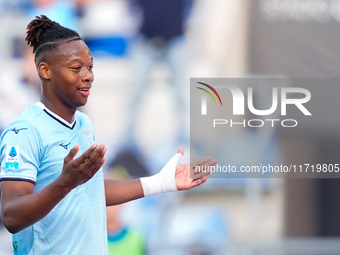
{"type": "Point", "coordinates": [53, 191]}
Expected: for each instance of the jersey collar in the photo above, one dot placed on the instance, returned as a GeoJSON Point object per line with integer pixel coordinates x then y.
{"type": "Point", "coordinates": [56, 117]}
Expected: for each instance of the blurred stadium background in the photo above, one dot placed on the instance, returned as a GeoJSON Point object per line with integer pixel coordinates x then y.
{"type": "Point", "coordinates": [294, 38]}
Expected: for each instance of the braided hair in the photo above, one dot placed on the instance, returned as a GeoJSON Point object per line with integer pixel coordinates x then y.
{"type": "Point", "coordinates": [45, 35]}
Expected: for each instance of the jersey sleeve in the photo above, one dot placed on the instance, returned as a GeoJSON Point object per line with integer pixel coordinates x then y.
{"type": "Point", "coordinates": [20, 151]}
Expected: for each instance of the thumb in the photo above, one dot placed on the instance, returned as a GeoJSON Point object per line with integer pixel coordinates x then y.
{"type": "Point", "coordinates": [175, 159]}
{"type": "Point", "coordinates": [181, 150]}
{"type": "Point", "coordinates": [73, 152]}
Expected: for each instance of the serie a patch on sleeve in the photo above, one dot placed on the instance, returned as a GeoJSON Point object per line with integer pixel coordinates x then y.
{"type": "Point", "coordinates": [12, 157]}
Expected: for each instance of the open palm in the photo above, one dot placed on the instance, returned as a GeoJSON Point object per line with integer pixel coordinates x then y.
{"type": "Point", "coordinates": [187, 177]}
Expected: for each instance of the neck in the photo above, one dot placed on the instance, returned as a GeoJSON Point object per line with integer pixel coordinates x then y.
{"type": "Point", "coordinates": [62, 111]}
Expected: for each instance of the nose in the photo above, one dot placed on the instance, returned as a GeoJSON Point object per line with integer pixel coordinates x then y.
{"type": "Point", "coordinates": [87, 75]}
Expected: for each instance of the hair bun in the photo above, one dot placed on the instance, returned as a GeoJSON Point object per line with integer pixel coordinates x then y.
{"type": "Point", "coordinates": [44, 34]}
{"type": "Point", "coordinates": [36, 28]}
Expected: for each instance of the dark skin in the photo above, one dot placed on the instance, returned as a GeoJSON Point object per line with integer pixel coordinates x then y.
{"type": "Point", "coordinates": [67, 77]}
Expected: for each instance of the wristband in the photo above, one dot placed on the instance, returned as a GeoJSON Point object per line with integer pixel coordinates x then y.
{"type": "Point", "coordinates": [164, 181]}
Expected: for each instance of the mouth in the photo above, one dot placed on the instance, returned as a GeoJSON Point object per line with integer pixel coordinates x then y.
{"type": "Point", "coordinates": [84, 91]}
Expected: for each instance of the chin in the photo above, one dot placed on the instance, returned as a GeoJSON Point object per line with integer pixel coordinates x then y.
{"type": "Point", "coordinates": [80, 104]}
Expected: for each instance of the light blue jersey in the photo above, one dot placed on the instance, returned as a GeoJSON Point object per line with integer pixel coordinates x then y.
{"type": "Point", "coordinates": [33, 149]}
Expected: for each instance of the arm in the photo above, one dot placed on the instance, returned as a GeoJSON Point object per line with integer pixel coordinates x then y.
{"type": "Point", "coordinates": [171, 178]}
{"type": "Point", "coordinates": [118, 192]}
{"type": "Point", "coordinates": [22, 208]}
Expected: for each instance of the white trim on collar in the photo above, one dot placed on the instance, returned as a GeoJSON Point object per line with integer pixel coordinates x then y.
{"type": "Point", "coordinates": [42, 106]}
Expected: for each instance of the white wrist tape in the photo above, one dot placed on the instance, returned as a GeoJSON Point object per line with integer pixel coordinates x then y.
{"type": "Point", "coordinates": [164, 181]}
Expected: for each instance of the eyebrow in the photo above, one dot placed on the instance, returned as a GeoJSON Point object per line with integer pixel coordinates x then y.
{"type": "Point", "coordinates": [77, 59]}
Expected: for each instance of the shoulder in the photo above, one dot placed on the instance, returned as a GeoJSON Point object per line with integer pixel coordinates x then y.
{"type": "Point", "coordinates": [23, 125]}
{"type": "Point", "coordinates": [32, 112]}
{"type": "Point", "coordinates": [29, 118]}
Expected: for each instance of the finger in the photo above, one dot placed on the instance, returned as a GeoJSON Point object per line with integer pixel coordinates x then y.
{"type": "Point", "coordinates": [205, 169]}
{"type": "Point", "coordinates": [96, 166]}
{"type": "Point", "coordinates": [181, 150]}
{"type": "Point", "coordinates": [82, 158]}
{"type": "Point", "coordinates": [198, 182]}
{"type": "Point", "coordinates": [212, 162]}
{"type": "Point", "coordinates": [201, 161]}
{"type": "Point", "coordinates": [73, 152]}
{"type": "Point", "coordinates": [199, 175]}
{"type": "Point", "coordinates": [175, 159]}
{"type": "Point", "coordinates": [200, 172]}
{"type": "Point", "coordinates": [94, 161]}
{"type": "Point", "coordinates": [98, 153]}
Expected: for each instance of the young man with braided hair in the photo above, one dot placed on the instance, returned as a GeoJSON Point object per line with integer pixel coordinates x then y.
{"type": "Point", "coordinates": [53, 192]}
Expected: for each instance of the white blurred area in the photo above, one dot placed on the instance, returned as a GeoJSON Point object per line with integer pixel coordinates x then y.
{"type": "Point", "coordinates": [208, 220]}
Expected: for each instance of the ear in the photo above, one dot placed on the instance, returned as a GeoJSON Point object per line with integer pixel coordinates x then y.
{"type": "Point", "coordinates": [44, 70]}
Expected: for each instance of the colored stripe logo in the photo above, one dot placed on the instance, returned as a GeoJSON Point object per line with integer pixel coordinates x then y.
{"type": "Point", "coordinates": [212, 89]}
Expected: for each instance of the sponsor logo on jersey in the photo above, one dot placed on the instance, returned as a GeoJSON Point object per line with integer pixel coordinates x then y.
{"type": "Point", "coordinates": [17, 130]}
{"type": "Point", "coordinates": [64, 145]}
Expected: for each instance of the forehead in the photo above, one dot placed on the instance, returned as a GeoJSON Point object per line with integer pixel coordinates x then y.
{"type": "Point", "coordinates": [75, 50]}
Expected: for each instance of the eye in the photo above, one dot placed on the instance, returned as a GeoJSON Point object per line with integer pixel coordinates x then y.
{"type": "Point", "coordinates": [76, 68]}
{"type": "Point", "coordinates": [90, 67]}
